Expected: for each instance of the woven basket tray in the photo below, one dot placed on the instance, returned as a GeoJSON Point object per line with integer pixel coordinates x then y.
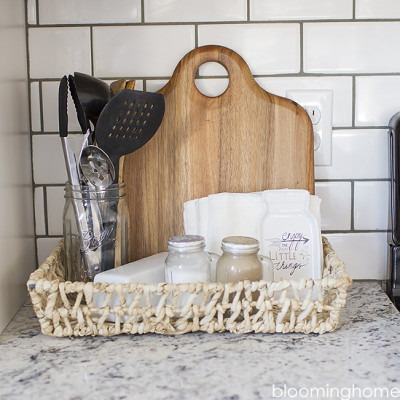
{"type": "Point", "coordinates": [287, 306]}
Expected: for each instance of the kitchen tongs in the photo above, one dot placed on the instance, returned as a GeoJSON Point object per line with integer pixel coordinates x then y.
{"type": "Point", "coordinates": [69, 156]}
{"type": "Point", "coordinates": [91, 258]}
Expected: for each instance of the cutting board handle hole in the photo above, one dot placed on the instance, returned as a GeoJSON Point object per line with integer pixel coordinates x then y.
{"type": "Point", "coordinates": [212, 79]}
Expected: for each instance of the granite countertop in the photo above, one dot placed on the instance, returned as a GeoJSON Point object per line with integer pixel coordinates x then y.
{"type": "Point", "coordinates": [362, 353]}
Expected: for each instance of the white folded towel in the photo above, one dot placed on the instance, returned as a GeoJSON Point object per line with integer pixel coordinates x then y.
{"type": "Point", "coordinates": [229, 214]}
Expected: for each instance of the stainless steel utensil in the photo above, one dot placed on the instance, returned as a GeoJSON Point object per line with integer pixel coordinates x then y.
{"type": "Point", "coordinates": [97, 167]}
{"type": "Point", "coordinates": [92, 207]}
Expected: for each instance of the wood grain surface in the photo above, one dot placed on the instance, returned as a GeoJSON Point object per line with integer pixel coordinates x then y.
{"type": "Point", "coordinates": [244, 140]}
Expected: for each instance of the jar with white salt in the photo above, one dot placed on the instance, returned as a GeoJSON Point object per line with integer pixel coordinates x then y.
{"type": "Point", "coordinates": [187, 261]}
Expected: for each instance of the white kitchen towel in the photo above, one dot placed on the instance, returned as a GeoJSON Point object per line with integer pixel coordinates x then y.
{"type": "Point", "coordinates": [229, 214]}
{"type": "Point", "coordinates": [232, 214]}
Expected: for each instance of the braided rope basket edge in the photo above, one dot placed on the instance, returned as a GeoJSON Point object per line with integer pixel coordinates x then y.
{"type": "Point", "coordinates": [67, 308]}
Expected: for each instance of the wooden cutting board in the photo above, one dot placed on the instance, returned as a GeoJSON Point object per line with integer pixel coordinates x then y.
{"type": "Point", "coordinates": [244, 140]}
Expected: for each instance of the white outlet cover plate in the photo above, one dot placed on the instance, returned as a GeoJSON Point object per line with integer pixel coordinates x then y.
{"type": "Point", "coordinates": [322, 99]}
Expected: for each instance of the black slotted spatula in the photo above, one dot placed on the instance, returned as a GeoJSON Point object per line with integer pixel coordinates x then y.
{"type": "Point", "coordinates": [128, 121]}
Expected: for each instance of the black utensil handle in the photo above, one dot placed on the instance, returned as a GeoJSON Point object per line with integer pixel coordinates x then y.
{"type": "Point", "coordinates": [83, 122]}
{"type": "Point", "coordinates": [62, 107]}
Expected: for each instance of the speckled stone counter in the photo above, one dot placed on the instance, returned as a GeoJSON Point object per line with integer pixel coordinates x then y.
{"type": "Point", "coordinates": [364, 352]}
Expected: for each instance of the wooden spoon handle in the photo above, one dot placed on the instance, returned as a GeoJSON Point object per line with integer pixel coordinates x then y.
{"type": "Point", "coordinates": [117, 86]}
{"type": "Point", "coordinates": [130, 85]}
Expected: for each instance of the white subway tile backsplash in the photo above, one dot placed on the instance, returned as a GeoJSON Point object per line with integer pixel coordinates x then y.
{"type": "Point", "coordinates": [55, 52]}
{"type": "Point", "coordinates": [89, 11]}
{"type": "Point", "coordinates": [31, 12]}
{"type": "Point", "coordinates": [351, 47]}
{"type": "Point", "coordinates": [341, 86]}
{"type": "Point", "coordinates": [377, 9]}
{"type": "Point", "coordinates": [357, 154]}
{"type": "Point", "coordinates": [267, 48]}
{"type": "Point", "coordinates": [194, 10]}
{"type": "Point", "coordinates": [48, 160]}
{"type": "Point", "coordinates": [141, 50]}
{"type": "Point", "coordinates": [50, 108]}
{"type": "Point", "coordinates": [294, 9]}
{"type": "Point", "coordinates": [35, 107]}
{"type": "Point", "coordinates": [377, 99]}
{"type": "Point", "coordinates": [39, 212]}
{"type": "Point", "coordinates": [155, 85]}
{"type": "Point", "coordinates": [371, 205]}
{"type": "Point", "coordinates": [45, 246]}
{"type": "Point", "coordinates": [55, 207]}
{"type": "Point", "coordinates": [270, 44]}
{"type": "Point", "coordinates": [364, 254]}
{"type": "Point", "coordinates": [139, 85]}
{"type": "Point", "coordinates": [335, 205]}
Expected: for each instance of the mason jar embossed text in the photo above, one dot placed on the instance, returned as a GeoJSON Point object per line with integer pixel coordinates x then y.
{"type": "Point", "coordinates": [95, 230]}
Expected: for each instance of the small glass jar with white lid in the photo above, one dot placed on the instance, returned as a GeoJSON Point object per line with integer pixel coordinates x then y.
{"type": "Point", "coordinates": [239, 260]}
{"type": "Point", "coordinates": [187, 261]}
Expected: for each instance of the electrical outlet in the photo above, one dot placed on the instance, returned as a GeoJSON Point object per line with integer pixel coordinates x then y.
{"type": "Point", "coordinates": [314, 113]}
{"type": "Point", "coordinates": [318, 105]}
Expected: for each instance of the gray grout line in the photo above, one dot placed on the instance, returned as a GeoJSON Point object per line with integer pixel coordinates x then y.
{"type": "Point", "coordinates": [46, 185]}
{"type": "Point", "coordinates": [354, 10]}
{"type": "Point", "coordinates": [37, 13]}
{"type": "Point", "coordinates": [352, 206]}
{"type": "Point", "coordinates": [359, 128]}
{"type": "Point", "coordinates": [91, 52]}
{"type": "Point", "coordinates": [338, 180]}
{"type": "Point", "coordinates": [46, 217]}
{"type": "Point", "coordinates": [41, 116]}
{"type": "Point", "coordinates": [196, 45]}
{"type": "Point", "coordinates": [256, 76]}
{"type": "Point", "coordinates": [334, 128]}
{"type": "Point", "coordinates": [353, 100]}
{"type": "Point", "coordinates": [248, 11]}
{"type": "Point", "coordinates": [346, 231]}
{"type": "Point", "coordinates": [301, 50]}
{"type": "Point", "coordinates": [142, 11]}
{"type": "Point", "coordinates": [30, 123]}
{"type": "Point", "coordinates": [324, 232]}
{"type": "Point", "coordinates": [243, 22]}
{"type": "Point", "coordinates": [354, 180]}
{"type": "Point", "coordinates": [49, 236]}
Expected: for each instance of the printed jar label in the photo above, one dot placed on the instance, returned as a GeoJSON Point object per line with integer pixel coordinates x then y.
{"type": "Point", "coordinates": [290, 253]}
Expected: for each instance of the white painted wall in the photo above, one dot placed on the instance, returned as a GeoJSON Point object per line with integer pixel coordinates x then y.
{"type": "Point", "coordinates": [17, 254]}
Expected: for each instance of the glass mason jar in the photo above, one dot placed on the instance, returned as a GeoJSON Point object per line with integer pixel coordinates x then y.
{"type": "Point", "coordinates": [95, 230]}
{"type": "Point", "coordinates": [187, 261]}
{"type": "Point", "coordinates": [239, 260]}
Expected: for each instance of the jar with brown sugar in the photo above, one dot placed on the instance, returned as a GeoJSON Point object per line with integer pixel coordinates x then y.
{"type": "Point", "coordinates": [239, 260]}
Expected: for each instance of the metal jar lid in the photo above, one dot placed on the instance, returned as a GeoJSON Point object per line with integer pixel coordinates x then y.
{"type": "Point", "coordinates": [240, 245]}
{"type": "Point", "coordinates": [186, 243]}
